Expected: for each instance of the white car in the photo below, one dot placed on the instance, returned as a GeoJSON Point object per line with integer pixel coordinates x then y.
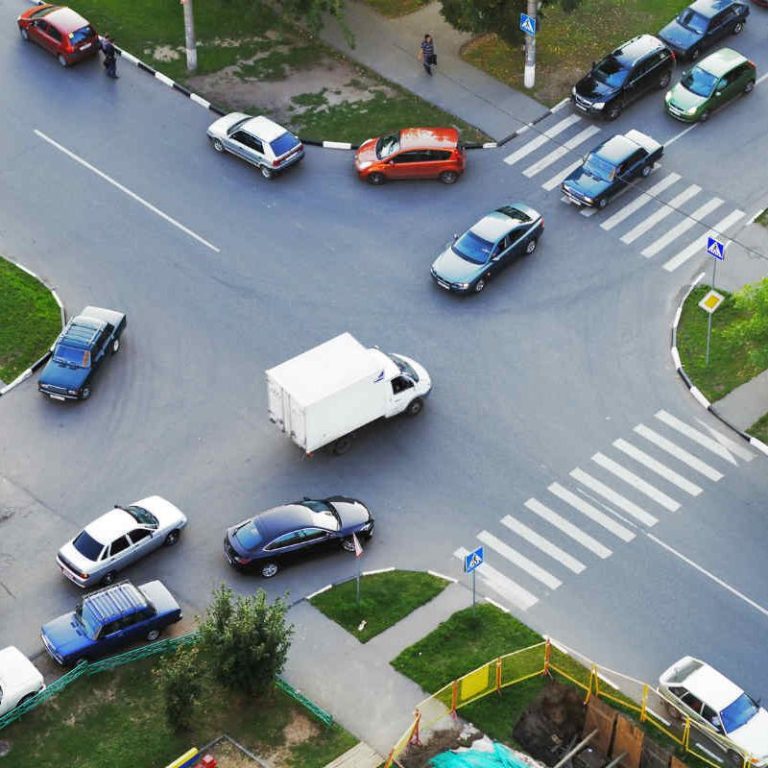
{"type": "Point", "coordinates": [257, 140]}
{"type": "Point", "coordinates": [708, 697]}
{"type": "Point", "coordinates": [19, 679]}
{"type": "Point", "coordinates": [118, 538]}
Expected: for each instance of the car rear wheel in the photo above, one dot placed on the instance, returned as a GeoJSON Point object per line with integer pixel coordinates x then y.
{"type": "Point", "coordinates": [704, 116]}
{"type": "Point", "coordinates": [152, 635]}
{"type": "Point", "coordinates": [266, 172]}
{"type": "Point", "coordinates": [664, 82]}
{"type": "Point", "coordinates": [24, 33]}
{"type": "Point", "coordinates": [171, 538]}
{"type": "Point", "coordinates": [115, 346]}
{"type": "Point", "coordinates": [531, 247]}
{"type": "Point", "coordinates": [738, 28]}
{"type": "Point", "coordinates": [342, 445]}
{"type": "Point", "coordinates": [217, 145]}
{"type": "Point", "coordinates": [749, 87]}
{"type": "Point", "coordinates": [269, 570]}
{"type": "Point", "coordinates": [62, 60]}
{"type": "Point", "coordinates": [108, 578]}
{"type": "Point", "coordinates": [348, 545]}
{"type": "Point", "coordinates": [376, 179]}
{"type": "Point", "coordinates": [613, 111]}
{"type": "Point", "coordinates": [449, 177]}
{"type": "Point", "coordinates": [646, 171]}
{"type": "Point", "coordinates": [414, 407]}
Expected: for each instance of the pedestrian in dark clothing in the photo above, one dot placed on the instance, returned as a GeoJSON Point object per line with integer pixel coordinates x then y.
{"type": "Point", "coordinates": [427, 54]}
{"type": "Point", "coordinates": [110, 56]}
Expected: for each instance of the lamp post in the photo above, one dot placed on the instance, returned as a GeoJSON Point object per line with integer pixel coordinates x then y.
{"type": "Point", "coordinates": [189, 35]}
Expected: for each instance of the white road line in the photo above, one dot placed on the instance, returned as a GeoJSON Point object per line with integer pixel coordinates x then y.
{"type": "Point", "coordinates": [709, 575]}
{"type": "Point", "coordinates": [679, 453]}
{"type": "Point", "coordinates": [520, 560]}
{"type": "Point", "coordinates": [556, 154]}
{"type": "Point", "coordinates": [591, 512]}
{"type": "Point", "coordinates": [550, 184]}
{"type": "Point", "coordinates": [568, 528]}
{"type": "Point", "coordinates": [546, 546]}
{"type": "Point", "coordinates": [614, 497]}
{"type": "Point", "coordinates": [127, 191]}
{"type": "Point", "coordinates": [682, 227]}
{"type": "Point", "coordinates": [704, 440]}
{"type": "Point", "coordinates": [737, 448]}
{"type": "Point", "coordinates": [651, 491]}
{"type": "Point", "coordinates": [680, 135]}
{"type": "Point", "coordinates": [541, 139]}
{"type": "Point", "coordinates": [760, 79]}
{"type": "Point", "coordinates": [698, 247]}
{"type": "Point", "coordinates": [514, 593]}
{"type": "Point", "coordinates": [656, 466]}
{"type": "Point", "coordinates": [640, 201]}
{"type": "Point", "coordinates": [666, 210]}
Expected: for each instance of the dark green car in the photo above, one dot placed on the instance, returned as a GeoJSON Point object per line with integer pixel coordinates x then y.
{"type": "Point", "coordinates": [711, 84]}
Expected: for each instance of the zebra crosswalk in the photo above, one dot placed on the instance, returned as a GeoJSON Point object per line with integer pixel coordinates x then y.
{"type": "Point", "coordinates": [580, 521]}
{"type": "Point", "coordinates": [648, 216]}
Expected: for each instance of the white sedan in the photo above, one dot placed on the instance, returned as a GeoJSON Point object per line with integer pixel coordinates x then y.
{"type": "Point", "coordinates": [19, 679]}
{"type": "Point", "coordinates": [708, 697]}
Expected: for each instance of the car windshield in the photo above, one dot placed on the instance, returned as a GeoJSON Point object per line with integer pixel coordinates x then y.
{"type": "Point", "coordinates": [693, 21]}
{"type": "Point", "coordinates": [81, 35]}
{"type": "Point", "coordinates": [249, 535]}
{"type": "Point", "coordinates": [387, 145]}
{"type": "Point", "coordinates": [699, 82]}
{"type": "Point", "coordinates": [610, 71]}
{"type": "Point", "coordinates": [72, 356]}
{"type": "Point", "coordinates": [88, 620]}
{"type": "Point", "coordinates": [87, 546]}
{"type": "Point", "coordinates": [473, 248]}
{"type": "Point", "coordinates": [404, 366]}
{"type": "Point", "coordinates": [284, 143]}
{"type": "Point", "coordinates": [738, 713]}
{"type": "Point", "coordinates": [142, 516]}
{"type": "Point", "coordinates": [599, 167]}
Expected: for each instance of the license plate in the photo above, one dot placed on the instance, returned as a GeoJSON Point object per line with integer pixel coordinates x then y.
{"type": "Point", "coordinates": [57, 397]}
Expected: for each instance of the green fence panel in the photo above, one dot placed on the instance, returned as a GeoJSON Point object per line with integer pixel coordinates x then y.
{"type": "Point", "coordinates": [318, 712]}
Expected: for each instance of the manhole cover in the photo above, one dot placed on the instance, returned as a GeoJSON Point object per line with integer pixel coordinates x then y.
{"type": "Point", "coordinates": [5, 748]}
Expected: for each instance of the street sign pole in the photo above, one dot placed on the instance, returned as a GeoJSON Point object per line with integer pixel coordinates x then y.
{"type": "Point", "coordinates": [474, 574]}
{"type": "Point", "coordinates": [716, 249]}
{"type": "Point", "coordinates": [529, 75]}
{"type": "Point", "coordinates": [472, 561]}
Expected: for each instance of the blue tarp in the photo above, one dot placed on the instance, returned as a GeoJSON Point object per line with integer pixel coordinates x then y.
{"type": "Point", "coordinates": [499, 757]}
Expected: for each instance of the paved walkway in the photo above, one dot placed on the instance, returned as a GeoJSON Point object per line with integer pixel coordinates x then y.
{"type": "Point", "coordinates": [389, 47]}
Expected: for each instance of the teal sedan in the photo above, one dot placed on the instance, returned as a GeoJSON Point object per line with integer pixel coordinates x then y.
{"type": "Point", "coordinates": [714, 82]}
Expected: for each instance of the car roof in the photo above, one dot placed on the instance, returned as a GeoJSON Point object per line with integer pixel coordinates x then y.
{"type": "Point", "coordinates": [283, 519]}
{"type": "Point", "coordinates": [637, 48]}
{"type": "Point", "coordinates": [105, 529]}
{"type": "Point", "coordinates": [263, 128]}
{"type": "Point", "coordinates": [428, 138]}
{"type": "Point", "coordinates": [118, 600]}
{"type": "Point", "coordinates": [81, 331]}
{"type": "Point", "coordinates": [66, 20]}
{"type": "Point", "coordinates": [722, 61]}
{"type": "Point", "coordinates": [712, 687]}
{"type": "Point", "coordinates": [493, 226]}
{"type": "Point", "coordinates": [709, 8]}
{"type": "Point", "coordinates": [616, 149]}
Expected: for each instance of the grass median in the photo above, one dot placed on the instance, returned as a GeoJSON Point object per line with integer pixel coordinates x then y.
{"type": "Point", "coordinates": [31, 320]}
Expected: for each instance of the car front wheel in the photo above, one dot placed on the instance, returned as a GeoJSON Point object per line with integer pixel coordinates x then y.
{"type": "Point", "coordinates": [602, 202]}
{"type": "Point", "coordinates": [449, 177]}
{"type": "Point", "coordinates": [62, 60]}
{"type": "Point", "coordinates": [749, 87]}
{"type": "Point", "coordinates": [115, 346]}
{"type": "Point", "coordinates": [86, 393]}
{"type": "Point", "coordinates": [108, 578]}
{"type": "Point", "coordinates": [531, 247]}
{"type": "Point", "coordinates": [269, 570]}
{"type": "Point", "coordinates": [479, 286]}
{"type": "Point", "coordinates": [342, 445]}
{"type": "Point", "coordinates": [646, 171]}
{"type": "Point", "coordinates": [664, 82]}
{"type": "Point", "coordinates": [704, 116]}
{"type": "Point", "coordinates": [694, 54]}
{"type": "Point", "coordinates": [738, 28]}
{"type": "Point", "coordinates": [415, 407]}
{"type": "Point", "coordinates": [171, 538]}
{"type": "Point", "coordinates": [376, 179]}
{"type": "Point", "coordinates": [152, 635]}
{"type": "Point", "coordinates": [218, 145]}
{"type": "Point", "coordinates": [613, 111]}
{"type": "Point", "coordinates": [348, 545]}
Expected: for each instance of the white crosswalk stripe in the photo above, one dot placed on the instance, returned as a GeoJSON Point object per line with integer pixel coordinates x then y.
{"type": "Point", "coordinates": [567, 528]}
{"type": "Point", "coordinates": [682, 227]}
{"type": "Point", "coordinates": [556, 154]}
{"type": "Point", "coordinates": [704, 440]}
{"type": "Point", "coordinates": [614, 497]}
{"type": "Point", "coordinates": [656, 466]}
{"type": "Point", "coordinates": [555, 181]}
{"type": "Point", "coordinates": [591, 512]}
{"type": "Point", "coordinates": [636, 204]}
{"type": "Point", "coordinates": [546, 546]}
{"type": "Point", "coordinates": [698, 247]}
{"type": "Point", "coordinates": [679, 453]}
{"type": "Point", "coordinates": [499, 583]}
{"type": "Point", "coordinates": [521, 561]}
{"type": "Point", "coordinates": [651, 491]}
{"type": "Point", "coordinates": [541, 139]}
{"type": "Point", "coordinates": [666, 210]}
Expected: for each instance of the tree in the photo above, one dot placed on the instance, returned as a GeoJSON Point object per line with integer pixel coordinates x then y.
{"type": "Point", "coordinates": [245, 640]}
{"type": "Point", "coordinates": [180, 681]}
{"type": "Point", "coordinates": [752, 331]}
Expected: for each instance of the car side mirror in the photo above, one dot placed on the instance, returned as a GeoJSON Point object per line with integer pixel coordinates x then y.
{"type": "Point", "coordinates": [455, 237]}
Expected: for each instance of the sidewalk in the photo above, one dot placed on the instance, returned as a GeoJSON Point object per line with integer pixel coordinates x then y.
{"type": "Point", "coordinates": [389, 47]}
{"type": "Point", "coordinates": [354, 681]}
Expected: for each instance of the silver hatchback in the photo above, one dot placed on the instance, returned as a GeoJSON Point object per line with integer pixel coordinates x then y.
{"type": "Point", "coordinates": [118, 538]}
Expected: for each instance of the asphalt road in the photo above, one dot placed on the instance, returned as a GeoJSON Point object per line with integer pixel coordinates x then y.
{"type": "Point", "coordinates": [559, 358]}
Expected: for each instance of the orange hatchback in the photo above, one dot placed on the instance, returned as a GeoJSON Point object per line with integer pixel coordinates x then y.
{"type": "Point", "coordinates": [61, 31]}
{"type": "Point", "coordinates": [413, 153]}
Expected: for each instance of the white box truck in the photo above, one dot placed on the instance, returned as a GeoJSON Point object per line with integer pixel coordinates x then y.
{"type": "Point", "coordinates": [319, 398]}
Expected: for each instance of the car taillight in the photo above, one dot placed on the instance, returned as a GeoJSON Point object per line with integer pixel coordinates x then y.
{"type": "Point", "coordinates": [242, 560]}
{"type": "Point", "coordinates": [275, 163]}
{"type": "Point", "coordinates": [674, 57]}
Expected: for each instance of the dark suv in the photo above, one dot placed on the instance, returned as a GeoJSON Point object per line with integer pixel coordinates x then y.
{"type": "Point", "coordinates": [640, 65]}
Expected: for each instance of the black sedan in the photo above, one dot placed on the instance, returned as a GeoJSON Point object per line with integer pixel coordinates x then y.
{"type": "Point", "coordinates": [702, 24]}
{"type": "Point", "coordinates": [273, 538]}
{"type": "Point", "coordinates": [610, 168]}
{"type": "Point", "coordinates": [466, 265]}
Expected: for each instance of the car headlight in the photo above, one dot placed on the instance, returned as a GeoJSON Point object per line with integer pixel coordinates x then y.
{"type": "Point", "coordinates": [598, 105]}
{"type": "Point", "coordinates": [668, 96]}
{"type": "Point", "coordinates": [367, 526]}
{"type": "Point", "coordinates": [462, 286]}
{"type": "Point", "coordinates": [573, 90]}
{"type": "Point", "coordinates": [73, 391]}
{"type": "Point", "coordinates": [691, 111]}
{"type": "Point", "coordinates": [362, 166]}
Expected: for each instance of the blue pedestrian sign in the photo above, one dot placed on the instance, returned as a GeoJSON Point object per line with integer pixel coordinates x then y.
{"type": "Point", "coordinates": [527, 24]}
{"type": "Point", "coordinates": [473, 559]}
{"type": "Point", "coordinates": [716, 248]}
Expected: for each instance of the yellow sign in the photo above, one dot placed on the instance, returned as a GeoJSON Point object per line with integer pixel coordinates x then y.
{"type": "Point", "coordinates": [711, 301]}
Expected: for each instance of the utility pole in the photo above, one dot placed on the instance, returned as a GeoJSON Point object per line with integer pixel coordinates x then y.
{"type": "Point", "coordinates": [189, 34]}
{"type": "Point", "coordinates": [529, 78]}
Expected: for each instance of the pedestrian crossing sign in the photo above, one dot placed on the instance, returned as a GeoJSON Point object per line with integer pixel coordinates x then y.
{"type": "Point", "coordinates": [716, 248]}
{"type": "Point", "coordinates": [473, 560]}
{"type": "Point", "coordinates": [527, 24]}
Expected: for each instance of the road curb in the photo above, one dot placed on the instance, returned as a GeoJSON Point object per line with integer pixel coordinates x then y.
{"type": "Point", "coordinates": [63, 315]}
{"type": "Point", "coordinates": [692, 388]}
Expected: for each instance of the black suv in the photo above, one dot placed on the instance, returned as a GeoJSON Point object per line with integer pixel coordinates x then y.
{"type": "Point", "coordinates": [702, 24]}
{"type": "Point", "coordinates": [640, 65]}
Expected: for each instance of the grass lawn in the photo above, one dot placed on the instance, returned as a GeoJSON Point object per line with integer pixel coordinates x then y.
{"type": "Point", "coordinates": [385, 599]}
{"type": "Point", "coordinates": [116, 719]}
{"type": "Point", "coordinates": [760, 429]}
{"type": "Point", "coordinates": [567, 43]}
{"type": "Point", "coordinates": [729, 364]}
{"type": "Point", "coordinates": [31, 320]}
{"type": "Point", "coordinates": [393, 9]}
{"type": "Point", "coordinates": [763, 218]}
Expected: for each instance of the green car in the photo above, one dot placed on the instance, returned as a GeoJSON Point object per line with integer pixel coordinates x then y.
{"type": "Point", "coordinates": [711, 84]}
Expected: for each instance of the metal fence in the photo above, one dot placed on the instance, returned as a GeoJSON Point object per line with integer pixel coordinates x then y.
{"type": "Point", "coordinates": [657, 715]}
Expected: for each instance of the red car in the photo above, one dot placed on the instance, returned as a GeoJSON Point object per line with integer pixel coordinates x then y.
{"type": "Point", "coordinates": [60, 30]}
{"type": "Point", "coordinates": [413, 153]}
